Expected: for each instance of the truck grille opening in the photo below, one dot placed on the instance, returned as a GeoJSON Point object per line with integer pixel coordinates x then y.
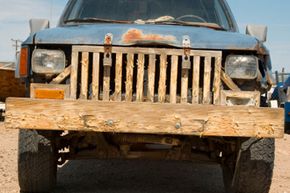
{"type": "Point", "coordinates": [145, 75]}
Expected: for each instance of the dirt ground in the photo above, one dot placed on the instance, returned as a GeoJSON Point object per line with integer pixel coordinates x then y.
{"type": "Point", "coordinates": [135, 176]}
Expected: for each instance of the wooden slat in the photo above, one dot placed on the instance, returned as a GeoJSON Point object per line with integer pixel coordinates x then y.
{"type": "Point", "coordinates": [74, 75]}
{"type": "Point", "coordinates": [162, 78]}
{"type": "Point", "coordinates": [62, 76]}
{"type": "Point", "coordinates": [106, 85]}
{"type": "Point", "coordinates": [229, 82]}
{"type": "Point", "coordinates": [140, 78]}
{"type": "Point", "coordinates": [184, 85]}
{"type": "Point", "coordinates": [151, 77]}
{"type": "Point", "coordinates": [96, 76]}
{"type": "Point", "coordinates": [148, 118]}
{"type": "Point", "coordinates": [206, 82]}
{"type": "Point", "coordinates": [217, 81]}
{"type": "Point", "coordinates": [85, 75]}
{"type": "Point", "coordinates": [195, 80]}
{"type": "Point", "coordinates": [118, 78]}
{"type": "Point", "coordinates": [173, 78]}
{"type": "Point", "coordinates": [129, 77]}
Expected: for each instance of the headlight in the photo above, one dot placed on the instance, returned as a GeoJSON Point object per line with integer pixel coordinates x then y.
{"type": "Point", "coordinates": [48, 61]}
{"type": "Point", "coordinates": [242, 67]}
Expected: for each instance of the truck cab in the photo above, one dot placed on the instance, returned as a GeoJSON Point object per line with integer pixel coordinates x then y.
{"type": "Point", "coordinates": [151, 79]}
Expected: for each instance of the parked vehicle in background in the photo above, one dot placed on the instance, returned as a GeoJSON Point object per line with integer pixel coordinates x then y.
{"type": "Point", "coordinates": [151, 79]}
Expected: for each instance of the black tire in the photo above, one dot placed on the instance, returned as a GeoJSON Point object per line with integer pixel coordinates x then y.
{"type": "Point", "coordinates": [37, 165]}
{"type": "Point", "coordinates": [254, 170]}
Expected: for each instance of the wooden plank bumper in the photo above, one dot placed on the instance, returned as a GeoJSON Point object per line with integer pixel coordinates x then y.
{"type": "Point", "coordinates": [146, 118]}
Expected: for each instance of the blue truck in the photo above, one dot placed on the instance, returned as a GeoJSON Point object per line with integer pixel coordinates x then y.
{"type": "Point", "coordinates": [150, 79]}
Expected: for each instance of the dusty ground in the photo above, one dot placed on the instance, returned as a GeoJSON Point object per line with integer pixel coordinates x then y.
{"type": "Point", "coordinates": [135, 176]}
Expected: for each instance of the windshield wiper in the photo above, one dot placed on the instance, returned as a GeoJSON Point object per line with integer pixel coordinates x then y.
{"type": "Point", "coordinates": [169, 20]}
{"type": "Point", "coordinates": [94, 20]}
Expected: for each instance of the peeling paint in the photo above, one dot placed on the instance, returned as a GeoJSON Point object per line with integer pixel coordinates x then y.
{"type": "Point", "coordinates": [136, 35]}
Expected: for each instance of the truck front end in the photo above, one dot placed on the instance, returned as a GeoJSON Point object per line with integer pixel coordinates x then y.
{"type": "Point", "coordinates": [158, 80]}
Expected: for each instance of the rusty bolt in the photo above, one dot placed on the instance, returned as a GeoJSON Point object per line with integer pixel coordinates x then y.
{"type": "Point", "coordinates": [110, 122]}
{"type": "Point", "coordinates": [178, 125]}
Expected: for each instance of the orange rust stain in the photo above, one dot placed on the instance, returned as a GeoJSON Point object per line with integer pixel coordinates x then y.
{"type": "Point", "coordinates": [134, 35]}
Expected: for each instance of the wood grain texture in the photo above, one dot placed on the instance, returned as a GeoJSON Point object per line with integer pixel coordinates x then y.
{"type": "Point", "coordinates": [96, 76]}
{"type": "Point", "coordinates": [85, 75]}
{"type": "Point", "coordinates": [118, 78]}
{"type": "Point", "coordinates": [147, 118]}
{"type": "Point", "coordinates": [206, 82]}
{"type": "Point", "coordinates": [62, 76]}
{"type": "Point", "coordinates": [184, 85]}
{"type": "Point", "coordinates": [173, 79]}
{"type": "Point", "coordinates": [229, 82]}
{"type": "Point", "coordinates": [129, 77]}
{"type": "Point", "coordinates": [162, 79]}
{"type": "Point", "coordinates": [151, 77]}
{"type": "Point", "coordinates": [195, 80]}
{"type": "Point", "coordinates": [217, 81]}
{"type": "Point", "coordinates": [106, 87]}
{"type": "Point", "coordinates": [140, 78]}
{"type": "Point", "coordinates": [74, 75]}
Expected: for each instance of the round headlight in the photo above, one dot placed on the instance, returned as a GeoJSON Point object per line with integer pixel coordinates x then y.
{"type": "Point", "coordinates": [242, 67]}
{"type": "Point", "coordinates": [48, 61]}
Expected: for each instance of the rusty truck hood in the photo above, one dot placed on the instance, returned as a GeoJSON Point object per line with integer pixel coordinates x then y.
{"type": "Point", "coordinates": [133, 34]}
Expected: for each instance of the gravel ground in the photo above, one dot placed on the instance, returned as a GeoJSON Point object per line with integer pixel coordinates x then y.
{"type": "Point", "coordinates": [135, 176]}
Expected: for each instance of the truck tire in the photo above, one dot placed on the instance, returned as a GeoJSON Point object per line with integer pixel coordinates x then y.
{"type": "Point", "coordinates": [37, 164]}
{"type": "Point", "coordinates": [254, 170]}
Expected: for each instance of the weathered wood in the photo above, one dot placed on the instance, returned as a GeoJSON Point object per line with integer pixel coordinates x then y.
{"type": "Point", "coordinates": [147, 118]}
{"type": "Point", "coordinates": [118, 78]}
{"type": "Point", "coordinates": [195, 80]}
{"type": "Point", "coordinates": [85, 75]}
{"type": "Point", "coordinates": [151, 77]}
{"type": "Point", "coordinates": [129, 77]}
{"type": "Point", "coordinates": [162, 78]}
{"type": "Point", "coordinates": [154, 51]}
{"type": "Point", "coordinates": [229, 82]}
{"type": "Point", "coordinates": [140, 78]}
{"type": "Point", "coordinates": [62, 76]}
{"type": "Point", "coordinates": [184, 85]}
{"type": "Point", "coordinates": [206, 82]}
{"type": "Point", "coordinates": [96, 76]}
{"type": "Point", "coordinates": [254, 95]}
{"type": "Point", "coordinates": [173, 78]}
{"type": "Point", "coordinates": [74, 74]}
{"type": "Point", "coordinates": [106, 85]}
{"type": "Point", "coordinates": [217, 81]}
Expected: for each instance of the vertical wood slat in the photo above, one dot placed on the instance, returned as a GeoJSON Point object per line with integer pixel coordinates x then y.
{"type": "Point", "coordinates": [151, 77]}
{"type": "Point", "coordinates": [162, 78]}
{"type": "Point", "coordinates": [140, 78]}
{"type": "Point", "coordinates": [217, 81]}
{"type": "Point", "coordinates": [118, 77]}
{"type": "Point", "coordinates": [195, 80]}
{"type": "Point", "coordinates": [184, 86]}
{"type": "Point", "coordinates": [206, 82]}
{"type": "Point", "coordinates": [129, 77]}
{"type": "Point", "coordinates": [173, 78]}
{"type": "Point", "coordinates": [106, 85]}
{"type": "Point", "coordinates": [96, 72]}
{"type": "Point", "coordinates": [74, 75]}
{"type": "Point", "coordinates": [85, 75]}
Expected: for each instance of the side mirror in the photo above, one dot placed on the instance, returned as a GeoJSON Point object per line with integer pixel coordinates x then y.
{"type": "Point", "coordinates": [37, 25]}
{"type": "Point", "coordinates": [258, 31]}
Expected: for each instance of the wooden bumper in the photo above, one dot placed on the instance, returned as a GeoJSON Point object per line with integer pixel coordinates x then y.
{"type": "Point", "coordinates": [146, 118]}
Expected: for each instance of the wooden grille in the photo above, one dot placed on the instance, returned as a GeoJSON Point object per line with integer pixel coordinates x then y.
{"type": "Point", "coordinates": [145, 75]}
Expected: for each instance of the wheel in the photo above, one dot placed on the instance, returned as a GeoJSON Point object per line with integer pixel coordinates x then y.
{"type": "Point", "coordinates": [253, 170]}
{"type": "Point", "coordinates": [37, 164]}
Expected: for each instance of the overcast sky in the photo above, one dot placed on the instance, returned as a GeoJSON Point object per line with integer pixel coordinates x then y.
{"type": "Point", "coordinates": [14, 16]}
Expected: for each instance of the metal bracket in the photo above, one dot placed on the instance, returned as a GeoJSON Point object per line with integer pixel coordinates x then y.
{"type": "Point", "coordinates": [108, 50]}
{"type": "Point", "coordinates": [186, 63]}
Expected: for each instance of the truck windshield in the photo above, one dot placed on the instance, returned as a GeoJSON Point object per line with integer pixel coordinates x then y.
{"type": "Point", "coordinates": [130, 11]}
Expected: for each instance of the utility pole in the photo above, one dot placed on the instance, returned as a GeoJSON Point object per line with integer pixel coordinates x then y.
{"type": "Point", "coordinates": [17, 44]}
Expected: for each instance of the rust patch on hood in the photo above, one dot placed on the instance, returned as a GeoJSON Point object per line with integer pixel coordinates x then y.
{"type": "Point", "coordinates": [135, 35]}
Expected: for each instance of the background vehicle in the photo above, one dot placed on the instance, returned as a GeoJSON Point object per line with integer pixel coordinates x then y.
{"type": "Point", "coordinates": [147, 79]}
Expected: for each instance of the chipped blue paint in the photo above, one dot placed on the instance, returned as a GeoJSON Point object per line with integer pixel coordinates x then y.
{"type": "Point", "coordinates": [93, 34]}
